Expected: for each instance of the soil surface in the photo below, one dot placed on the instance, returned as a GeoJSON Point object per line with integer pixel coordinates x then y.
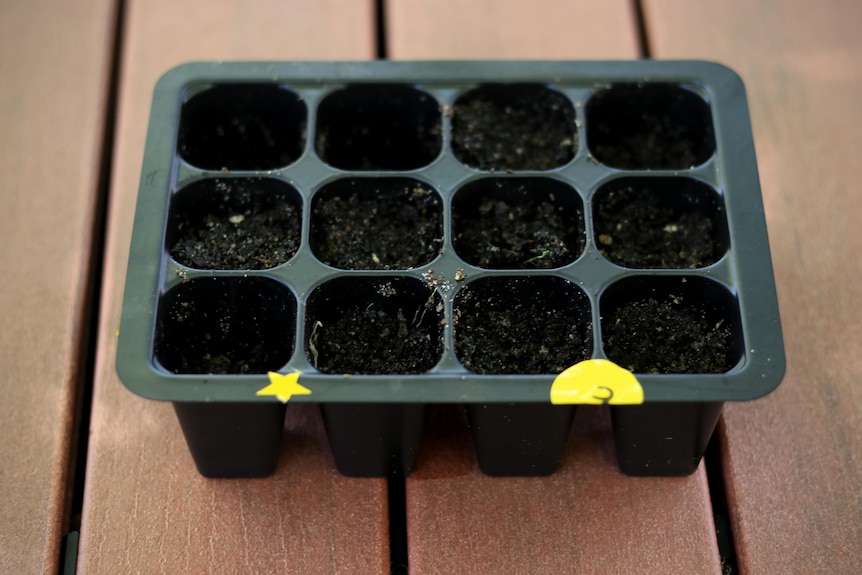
{"type": "Point", "coordinates": [244, 234]}
{"type": "Point", "coordinates": [655, 336]}
{"type": "Point", "coordinates": [378, 127]}
{"type": "Point", "coordinates": [635, 229]}
{"type": "Point", "coordinates": [510, 335]}
{"type": "Point", "coordinates": [366, 340]}
{"type": "Point", "coordinates": [649, 127]}
{"type": "Point", "coordinates": [228, 325]}
{"type": "Point", "coordinates": [524, 235]}
{"type": "Point", "coordinates": [242, 127]}
{"type": "Point", "coordinates": [657, 143]}
{"type": "Point", "coordinates": [223, 364]}
{"type": "Point", "coordinates": [513, 128]}
{"type": "Point", "coordinates": [400, 228]}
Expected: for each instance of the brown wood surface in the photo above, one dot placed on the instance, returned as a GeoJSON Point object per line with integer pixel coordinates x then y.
{"type": "Point", "coordinates": [54, 65]}
{"type": "Point", "coordinates": [540, 29]}
{"type": "Point", "coordinates": [146, 508]}
{"type": "Point", "coordinates": [588, 517]}
{"type": "Point", "coordinates": [794, 459]}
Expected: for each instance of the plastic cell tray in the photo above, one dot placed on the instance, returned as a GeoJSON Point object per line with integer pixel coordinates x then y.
{"type": "Point", "coordinates": [285, 144]}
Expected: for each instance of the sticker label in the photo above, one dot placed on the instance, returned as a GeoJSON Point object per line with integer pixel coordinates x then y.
{"type": "Point", "coordinates": [284, 386]}
{"type": "Point", "coordinates": [596, 382]}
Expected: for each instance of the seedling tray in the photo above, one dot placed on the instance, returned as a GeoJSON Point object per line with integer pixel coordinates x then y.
{"type": "Point", "coordinates": [517, 238]}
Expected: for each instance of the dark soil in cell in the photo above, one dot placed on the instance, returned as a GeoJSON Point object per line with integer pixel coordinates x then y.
{"type": "Point", "coordinates": [524, 339]}
{"type": "Point", "coordinates": [367, 340]}
{"type": "Point", "coordinates": [523, 333]}
{"type": "Point", "coordinates": [666, 336]}
{"type": "Point", "coordinates": [222, 364]}
{"type": "Point", "coordinates": [246, 235]}
{"type": "Point", "coordinates": [371, 229]}
{"type": "Point", "coordinates": [242, 127]}
{"type": "Point", "coordinates": [225, 325]}
{"type": "Point", "coordinates": [649, 127]}
{"type": "Point", "coordinates": [522, 127]}
{"type": "Point", "coordinates": [517, 235]}
{"type": "Point", "coordinates": [659, 143]}
{"type": "Point", "coordinates": [378, 127]}
{"type": "Point", "coordinates": [633, 228]}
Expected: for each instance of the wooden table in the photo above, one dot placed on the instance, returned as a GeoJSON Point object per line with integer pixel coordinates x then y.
{"type": "Point", "coordinates": [81, 455]}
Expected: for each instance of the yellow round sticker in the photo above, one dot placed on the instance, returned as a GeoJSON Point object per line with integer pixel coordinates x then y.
{"type": "Point", "coordinates": [596, 382]}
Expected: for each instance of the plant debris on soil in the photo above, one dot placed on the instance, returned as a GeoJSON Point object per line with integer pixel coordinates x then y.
{"type": "Point", "coordinates": [524, 235]}
{"type": "Point", "coordinates": [635, 229]}
{"type": "Point", "coordinates": [365, 340]}
{"type": "Point", "coordinates": [519, 337]}
{"type": "Point", "coordinates": [513, 128]}
{"type": "Point", "coordinates": [653, 336]}
{"type": "Point", "coordinates": [393, 229]}
{"type": "Point", "coordinates": [250, 236]}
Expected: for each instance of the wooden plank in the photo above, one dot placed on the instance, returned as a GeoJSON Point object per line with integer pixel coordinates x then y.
{"type": "Point", "coordinates": [546, 29]}
{"type": "Point", "coordinates": [794, 459]}
{"type": "Point", "coordinates": [54, 62]}
{"type": "Point", "coordinates": [146, 508]}
{"type": "Point", "coordinates": [149, 511]}
{"type": "Point", "coordinates": [588, 517]}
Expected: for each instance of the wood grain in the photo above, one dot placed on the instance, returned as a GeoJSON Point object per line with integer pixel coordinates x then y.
{"type": "Point", "coordinates": [54, 65]}
{"type": "Point", "coordinates": [544, 29]}
{"type": "Point", "coordinates": [146, 508]}
{"type": "Point", "coordinates": [794, 459]}
{"type": "Point", "coordinates": [588, 517]}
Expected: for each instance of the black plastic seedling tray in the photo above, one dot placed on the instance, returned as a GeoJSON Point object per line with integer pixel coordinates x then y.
{"type": "Point", "coordinates": [517, 238]}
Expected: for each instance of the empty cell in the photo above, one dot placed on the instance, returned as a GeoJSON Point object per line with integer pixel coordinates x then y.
{"type": "Point", "coordinates": [517, 223]}
{"type": "Point", "coordinates": [376, 223]}
{"type": "Point", "coordinates": [225, 326]}
{"type": "Point", "coordinates": [374, 325]}
{"type": "Point", "coordinates": [378, 127]}
{"type": "Point", "coordinates": [242, 127]}
{"type": "Point", "coordinates": [671, 324]}
{"type": "Point", "coordinates": [521, 325]}
{"type": "Point", "coordinates": [501, 127]}
{"type": "Point", "coordinates": [649, 127]}
{"type": "Point", "coordinates": [660, 223]}
{"type": "Point", "coordinates": [234, 223]}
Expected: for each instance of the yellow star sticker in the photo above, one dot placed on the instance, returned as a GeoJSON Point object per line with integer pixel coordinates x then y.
{"type": "Point", "coordinates": [597, 382]}
{"type": "Point", "coordinates": [284, 386]}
